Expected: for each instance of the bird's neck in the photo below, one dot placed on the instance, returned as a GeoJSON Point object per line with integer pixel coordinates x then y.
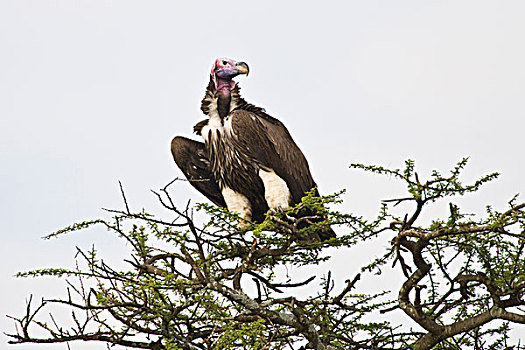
{"type": "Point", "coordinates": [224, 98]}
{"type": "Point", "coordinates": [220, 101]}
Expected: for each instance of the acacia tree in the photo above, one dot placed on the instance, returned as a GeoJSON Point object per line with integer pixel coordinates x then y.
{"type": "Point", "coordinates": [214, 285]}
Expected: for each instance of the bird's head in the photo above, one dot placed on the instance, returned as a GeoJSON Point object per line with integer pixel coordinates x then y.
{"type": "Point", "coordinates": [224, 70]}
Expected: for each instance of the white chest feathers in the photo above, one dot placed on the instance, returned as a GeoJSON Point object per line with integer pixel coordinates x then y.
{"type": "Point", "coordinates": [215, 124]}
{"type": "Point", "coordinates": [276, 191]}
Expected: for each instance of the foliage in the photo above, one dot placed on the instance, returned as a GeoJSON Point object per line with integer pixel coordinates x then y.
{"type": "Point", "coordinates": [217, 286]}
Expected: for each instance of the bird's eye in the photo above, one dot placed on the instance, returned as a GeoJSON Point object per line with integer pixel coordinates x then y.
{"type": "Point", "coordinates": [224, 63]}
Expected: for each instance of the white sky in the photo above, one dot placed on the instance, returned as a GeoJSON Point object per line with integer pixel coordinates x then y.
{"type": "Point", "coordinates": [91, 92]}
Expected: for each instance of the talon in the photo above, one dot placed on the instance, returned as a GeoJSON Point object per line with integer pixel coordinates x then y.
{"type": "Point", "coordinates": [277, 210]}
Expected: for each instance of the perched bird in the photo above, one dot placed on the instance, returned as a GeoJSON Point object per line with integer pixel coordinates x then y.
{"type": "Point", "coordinates": [248, 162]}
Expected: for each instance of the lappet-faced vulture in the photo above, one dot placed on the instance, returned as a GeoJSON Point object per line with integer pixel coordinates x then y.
{"type": "Point", "coordinates": [248, 162]}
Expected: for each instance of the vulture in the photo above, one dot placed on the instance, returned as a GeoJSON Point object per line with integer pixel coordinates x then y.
{"type": "Point", "coordinates": [248, 162]}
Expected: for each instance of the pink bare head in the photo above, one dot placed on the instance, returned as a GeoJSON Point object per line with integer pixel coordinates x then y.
{"type": "Point", "coordinates": [224, 70]}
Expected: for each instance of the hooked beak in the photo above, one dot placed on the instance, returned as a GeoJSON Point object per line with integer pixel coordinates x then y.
{"type": "Point", "coordinates": [242, 68]}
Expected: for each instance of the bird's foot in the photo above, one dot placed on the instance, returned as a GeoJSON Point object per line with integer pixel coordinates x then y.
{"type": "Point", "coordinates": [280, 210]}
{"type": "Point", "coordinates": [272, 211]}
{"type": "Point", "coordinates": [276, 210]}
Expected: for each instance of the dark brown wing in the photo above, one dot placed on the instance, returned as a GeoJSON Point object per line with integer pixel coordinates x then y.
{"type": "Point", "coordinates": [268, 141]}
{"type": "Point", "coordinates": [192, 159]}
